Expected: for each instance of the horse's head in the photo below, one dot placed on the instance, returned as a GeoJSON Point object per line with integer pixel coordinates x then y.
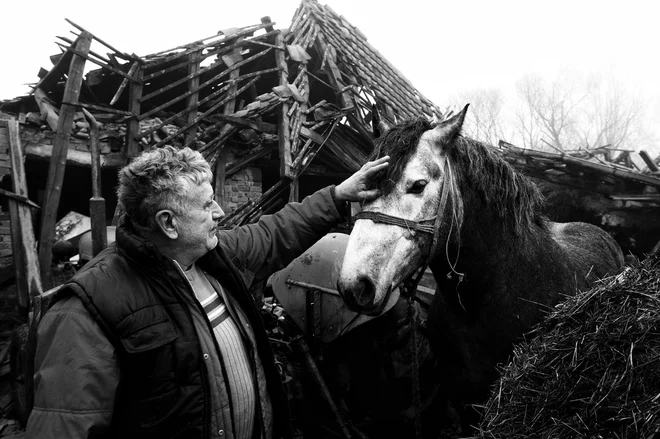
{"type": "Point", "coordinates": [399, 231]}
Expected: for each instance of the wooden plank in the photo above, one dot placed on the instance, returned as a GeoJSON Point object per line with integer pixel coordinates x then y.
{"type": "Point", "coordinates": [56, 73]}
{"type": "Point", "coordinates": [58, 160]}
{"type": "Point", "coordinates": [24, 245]}
{"type": "Point", "coordinates": [311, 134]}
{"type": "Point", "coordinates": [193, 99]}
{"type": "Point", "coordinates": [133, 125]}
{"type": "Point", "coordinates": [282, 113]}
{"type": "Point", "coordinates": [648, 160]}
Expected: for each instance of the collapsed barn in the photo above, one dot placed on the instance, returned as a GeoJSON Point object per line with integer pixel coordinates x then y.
{"type": "Point", "coordinates": [278, 113]}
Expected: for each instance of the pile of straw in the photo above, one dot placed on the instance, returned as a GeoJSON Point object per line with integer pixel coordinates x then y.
{"type": "Point", "coordinates": [592, 369]}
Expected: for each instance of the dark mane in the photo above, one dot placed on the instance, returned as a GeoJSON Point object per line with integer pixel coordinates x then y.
{"type": "Point", "coordinates": [512, 195]}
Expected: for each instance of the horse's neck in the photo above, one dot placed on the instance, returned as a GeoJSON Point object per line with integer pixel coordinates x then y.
{"type": "Point", "coordinates": [488, 248]}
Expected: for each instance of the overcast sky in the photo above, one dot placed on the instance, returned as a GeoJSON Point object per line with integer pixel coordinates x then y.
{"type": "Point", "coordinates": [442, 47]}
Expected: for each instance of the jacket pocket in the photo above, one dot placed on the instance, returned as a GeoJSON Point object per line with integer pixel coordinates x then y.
{"type": "Point", "coordinates": [155, 335]}
{"type": "Point", "coordinates": [148, 372]}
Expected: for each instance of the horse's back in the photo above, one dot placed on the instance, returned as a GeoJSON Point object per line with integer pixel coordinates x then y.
{"type": "Point", "coordinates": [589, 248]}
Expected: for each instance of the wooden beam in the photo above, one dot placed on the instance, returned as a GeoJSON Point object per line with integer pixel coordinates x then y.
{"type": "Point", "coordinates": [24, 245]}
{"type": "Point", "coordinates": [124, 83]}
{"type": "Point", "coordinates": [190, 76]}
{"type": "Point", "coordinates": [231, 60]}
{"type": "Point", "coordinates": [294, 191]}
{"type": "Point", "coordinates": [117, 52]}
{"type": "Point", "coordinates": [100, 108]}
{"type": "Point", "coordinates": [85, 54]}
{"type": "Point", "coordinates": [264, 127]}
{"type": "Point", "coordinates": [282, 113]}
{"type": "Point", "coordinates": [206, 113]}
{"type": "Point", "coordinates": [192, 100]}
{"type": "Point", "coordinates": [649, 161]}
{"type": "Point", "coordinates": [97, 202]}
{"type": "Point", "coordinates": [214, 94]}
{"type": "Point", "coordinates": [220, 175]}
{"type": "Point", "coordinates": [109, 60]}
{"type": "Point", "coordinates": [74, 157]}
{"type": "Point", "coordinates": [133, 124]}
{"type": "Point", "coordinates": [46, 109]}
{"type": "Point", "coordinates": [334, 75]}
{"type": "Point", "coordinates": [585, 164]}
{"type": "Point", "coordinates": [19, 198]}
{"type": "Point", "coordinates": [255, 154]}
{"type": "Point", "coordinates": [246, 31]}
{"type": "Point", "coordinates": [58, 159]}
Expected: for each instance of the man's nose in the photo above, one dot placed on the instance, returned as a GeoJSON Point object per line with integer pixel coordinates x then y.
{"type": "Point", "coordinates": [218, 213]}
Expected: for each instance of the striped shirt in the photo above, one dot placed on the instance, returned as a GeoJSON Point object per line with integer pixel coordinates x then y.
{"type": "Point", "coordinates": [234, 356]}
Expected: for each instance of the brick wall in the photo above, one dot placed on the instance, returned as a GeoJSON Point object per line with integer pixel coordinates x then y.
{"type": "Point", "coordinates": [241, 187]}
{"type": "Point", "coordinates": [5, 235]}
{"type": "Point", "coordinates": [5, 168]}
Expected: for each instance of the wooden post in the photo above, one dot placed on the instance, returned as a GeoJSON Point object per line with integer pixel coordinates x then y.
{"type": "Point", "coordinates": [282, 114]}
{"type": "Point", "coordinates": [97, 202]}
{"type": "Point", "coordinates": [294, 190]}
{"type": "Point", "coordinates": [58, 157]}
{"type": "Point", "coordinates": [220, 175]}
{"type": "Point", "coordinates": [221, 163]}
{"type": "Point", "coordinates": [133, 125]}
{"type": "Point", "coordinates": [191, 102]}
{"type": "Point", "coordinates": [24, 245]}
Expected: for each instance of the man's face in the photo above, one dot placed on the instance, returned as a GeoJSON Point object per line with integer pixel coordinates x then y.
{"type": "Point", "coordinates": [198, 225]}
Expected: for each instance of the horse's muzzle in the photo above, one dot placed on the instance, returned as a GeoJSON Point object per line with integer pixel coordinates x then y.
{"type": "Point", "coordinates": [360, 296]}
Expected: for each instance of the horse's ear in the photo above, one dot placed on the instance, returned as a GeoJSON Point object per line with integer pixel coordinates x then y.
{"type": "Point", "coordinates": [451, 127]}
{"type": "Point", "coordinates": [378, 125]}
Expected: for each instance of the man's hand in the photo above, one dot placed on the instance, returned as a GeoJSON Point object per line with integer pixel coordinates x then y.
{"type": "Point", "coordinates": [354, 188]}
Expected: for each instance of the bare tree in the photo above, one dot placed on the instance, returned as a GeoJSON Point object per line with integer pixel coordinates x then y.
{"type": "Point", "coordinates": [575, 111]}
{"type": "Point", "coordinates": [611, 116]}
{"type": "Point", "coordinates": [485, 121]}
{"type": "Point", "coordinates": [570, 112]}
{"type": "Point", "coordinates": [552, 108]}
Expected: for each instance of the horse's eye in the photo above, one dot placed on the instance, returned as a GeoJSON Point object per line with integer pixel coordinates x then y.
{"type": "Point", "coordinates": [417, 187]}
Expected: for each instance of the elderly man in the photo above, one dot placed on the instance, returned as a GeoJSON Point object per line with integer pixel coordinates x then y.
{"type": "Point", "coordinates": [158, 337]}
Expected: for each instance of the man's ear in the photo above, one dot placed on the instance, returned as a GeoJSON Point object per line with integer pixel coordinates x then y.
{"type": "Point", "coordinates": [167, 223]}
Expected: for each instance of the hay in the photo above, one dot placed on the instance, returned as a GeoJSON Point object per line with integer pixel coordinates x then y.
{"type": "Point", "coordinates": [592, 368]}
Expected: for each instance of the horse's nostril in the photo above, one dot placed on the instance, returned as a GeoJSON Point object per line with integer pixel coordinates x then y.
{"type": "Point", "coordinates": [364, 293]}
